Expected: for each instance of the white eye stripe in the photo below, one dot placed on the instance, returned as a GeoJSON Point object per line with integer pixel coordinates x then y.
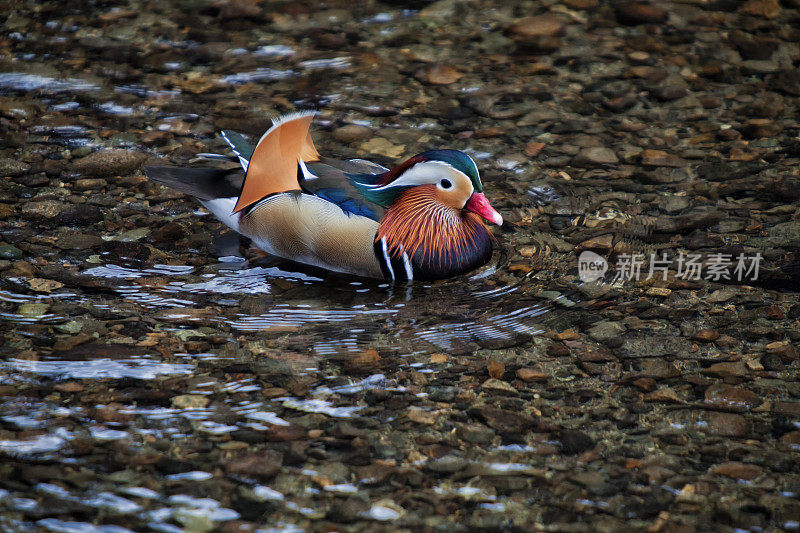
{"type": "Point", "coordinates": [424, 173]}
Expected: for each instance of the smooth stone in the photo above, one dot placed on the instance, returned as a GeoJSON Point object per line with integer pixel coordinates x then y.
{"type": "Point", "coordinates": [595, 156]}
{"type": "Point", "coordinates": [605, 331]}
{"type": "Point", "coordinates": [9, 251]}
{"type": "Point", "coordinates": [43, 209]}
{"type": "Point", "coordinates": [542, 33]}
{"type": "Point", "coordinates": [633, 13]}
{"type": "Point", "coordinates": [12, 167]}
{"type": "Point", "coordinates": [660, 158]}
{"type": "Point", "coordinates": [737, 470]}
{"type": "Point", "coordinates": [727, 424]}
{"type": "Point", "coordinates": [87, 184]}
{"type": "Point", "coordinates": [189, 401]}
{"type": "Point", "coordinates": [78, 241]}
{"type": "Point", "coordinates": [731, 397]}
{"type": "Point", "coordinates": [352, 133]}
{"type": "Point", "coordinates": [106, 163]}
{"type": "Point", "coordinates": [33, 310]}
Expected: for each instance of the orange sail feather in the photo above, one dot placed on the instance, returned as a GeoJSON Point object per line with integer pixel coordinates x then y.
{"type": "Point", "coordinates": [273, 167]}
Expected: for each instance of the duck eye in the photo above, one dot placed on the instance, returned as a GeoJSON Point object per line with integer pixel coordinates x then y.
{"type": "Point", "coordinates": [445, 183]}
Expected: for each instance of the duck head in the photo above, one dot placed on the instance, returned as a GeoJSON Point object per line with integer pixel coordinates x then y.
{"type": "Point", "coordinates": [435, 211]}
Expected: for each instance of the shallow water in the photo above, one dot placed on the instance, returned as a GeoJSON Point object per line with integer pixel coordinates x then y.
{"type": "Point", "coordinates": [158, 374]}
{"type": "Point", "coordinates": [337, 318]}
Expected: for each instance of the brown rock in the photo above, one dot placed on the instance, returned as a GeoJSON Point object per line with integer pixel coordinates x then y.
{"type": "Point", "coordinates": [733, 368]}
{"type": "Point", "coordinates": [659, 158]}
{"type": "Point", "coordinates": [374, 473]}
{"type": "Point", "coordinates": [189, 401]}
{"type": "Point", "coordinates": [790, 441]}
{"type": "Point", "coordinates": [352, 133]}
{"type": "Point", "coordinates": [186, 315]}
{"type": "Point", "coordinates": [601, 242]}
{"type": "Point", "coordinates": [783, 349]}
{"type": "Point", "coordinates": [169, 232]}
{"type": "Point", "coordinates": [558, 350]}
{"type": "Point", "coordinates": [542, 33]}
{"type": "Point", "coordinates": [69, 386]}
{"type": "Point", "coordinates": [737, 470]}
{"type": "Point", "coordinates": [657, 368]}
{"type": "Point", "coordinates": [762, 8]}
{"type": "Point", "coordinates": [633, 13]}
{"type": "Point", "coordinates": [262, 465]}
{"type": "Point", "coordinates": [362, 360]}
{"type": "Point", "coordinates": [726, 341]}
{"type": "Point", "coordinates": [646, 384]}
{"type": "Point", "coordinates": [439, 358]}
{"type": "Point", "coordinates": [706, 335]}
{"type": "Point", "coordinates": [760, 128]}
{"type": "Point", "coordinates": [485, 133]}
{"type": "Point", "coordinates": [727, 424]}
{"type": "Point", "coordinates": [12, 167]}
{"type": "Point", "coordinates": [774, 312]}
{"type": "Point", "coordinates": [529, 374]}
{"type": "Point", "coordinates": [421, 416]}
{"type": "Point", "coordinates": [281, 433]}
{"type": "Point", "coordinates": [44, 285]}
{"type": "Point", "coordinates": [499, 386]}
{"type": "Point", "coordinates": [105, 163]}
{"type": "Point", "coordinates": [78, 241]}
{"type": "Point", "coordinates": [532, 149]}
{"type": "Point", "coordinates": [787, 408]}
{"type": "Point", "coordinates": [87, 184]}
{"type": "Point", "coordinates": [671, 88]}
{"type": "Point", "coordinates": [67, 343]}
{"type": "Point", "coordinates": [496, 369]}
{"type": "Point", "coordinates": [595, 156]}
{"type": "Point", "coordinates": [438, 75]}
{"type": "Point", "coordinates": [568, 335]}
{"type": "Point", "coordinates": [503, 419]}
{"type": "Point", "coordinates": [43, 209]}
{"type": "Point", "coordinates": [117, 14]}
{"type": "Point", "coordinates": [662, 292]}
{"type": "Point", "coordinates": [730, 397]}
{"type": "Point", "coordinates": [654, 74]}
{"type": "Point", "coordinates": [581, 4]}
{"type": "Point", "coordinates": [239, 9]}
{"type": "Point", "coordinates": [663, 395]}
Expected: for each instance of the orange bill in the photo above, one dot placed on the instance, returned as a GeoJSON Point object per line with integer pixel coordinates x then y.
{"type": "Point", "coordinates": [273, 167]}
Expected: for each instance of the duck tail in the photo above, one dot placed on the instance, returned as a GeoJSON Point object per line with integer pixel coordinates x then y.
{"type": "Point", "coordinates": [202, 183]}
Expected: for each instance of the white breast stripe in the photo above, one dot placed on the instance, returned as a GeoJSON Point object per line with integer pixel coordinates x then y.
{"type": "Point", "coordinates": [245, 163]}
{"type": "Point", "coordinates": [386, 257]}
{"type": "Point", "coordinates": [409, 270]}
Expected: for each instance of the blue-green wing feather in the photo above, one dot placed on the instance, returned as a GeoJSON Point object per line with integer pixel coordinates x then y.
{"type": "Point", "coordinates": [345, 200]}
{"type": "Point", "coordinates": [329, 181]}
{"type": "Point", "coordinates": [239, 146]}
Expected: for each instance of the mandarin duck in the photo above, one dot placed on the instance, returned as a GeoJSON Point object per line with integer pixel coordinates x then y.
{"type": "Point", "coordinates": [422, 219]}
